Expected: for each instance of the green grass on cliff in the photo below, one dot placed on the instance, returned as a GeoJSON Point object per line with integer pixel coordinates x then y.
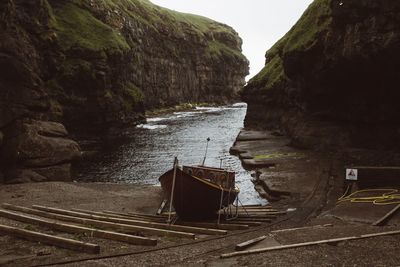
{"type": "Point", "coordinates": [217, 49]}
{"type": "Point", "coordinates": [77, 27]}
{"type": "Point", "coordinates": [301, 36]}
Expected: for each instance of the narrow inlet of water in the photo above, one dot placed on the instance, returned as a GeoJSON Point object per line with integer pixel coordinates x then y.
{"type": "Point", "coordinates": [147, 151]}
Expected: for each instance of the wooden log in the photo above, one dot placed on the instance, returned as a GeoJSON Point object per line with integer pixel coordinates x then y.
{"type": "Point", "coordinates": [312, 243]}
{"type": "Point", "coordinates": [116, 226]}
{"type": "Point", "coordinates": [249, 243]}
{"type": "Point", "coordinates": [109, 218]}
{"type": "Point", "coordinates": [50, 239]}
{"type": "Point", "coordinates": [384, 219]}
{"type": "Point", "coordinates": [68, 228]}
{"type": "Point", "coordinates": [214, 225]}
{"type": "Point", "coordinates": [301, 228]}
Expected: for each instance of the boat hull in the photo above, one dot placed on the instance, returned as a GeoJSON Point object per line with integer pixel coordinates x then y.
{"type": "Point", "coordinates": [195, 198]}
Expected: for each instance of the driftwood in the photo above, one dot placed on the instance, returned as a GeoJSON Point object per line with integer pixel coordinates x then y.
{"type": "Point", "coordinates": [312, 243]}
{"type": "Point", "coordinates": [50, 239]}
{"type": "Point", "coordinates": [68, 228]}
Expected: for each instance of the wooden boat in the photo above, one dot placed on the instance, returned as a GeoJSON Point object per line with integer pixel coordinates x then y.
{"type": "Point", "coordinates": [199, 191]}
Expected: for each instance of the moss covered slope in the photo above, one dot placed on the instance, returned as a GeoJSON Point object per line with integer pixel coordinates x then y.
{"type": "Point", "coordinates": [96, 65]}
{"type": "Point", "coordinates": [333, 75]}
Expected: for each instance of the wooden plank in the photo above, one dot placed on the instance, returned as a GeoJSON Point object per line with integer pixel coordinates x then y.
{"type": "Point", "coordinates": [301, 228]}
{"type": "Point", "coordinates": [255, 218]}
{"type": "Point", "coordinates": [68, 228]}
{"type": "Point", "coordinates": [115, 226]}
{"type": "Point", "coordinates": [182, 228]}
{"type": "Point", "coordinates": [50, 239]}
{"type": "Point", "coordinates": [384, 219]}
{"type": "Point", "coordinates": [375, 167]}
{"type": "Point", "coordinates": [214, 225]}
{"type": "Point", "coordinates": [175, 230]}
{"type": "Point", "coordinates": [249, 243]}
{"type": "Point", "coordinates": [109, 218]}
{"type": "Point", "coordinates": [312, 243]}
{"type": "Point", "coordinates": [249, 223]}
{"type": "Point", "coordinates": [161, 219]}
{"type": "Point", "coordinates": [162, 206]}
{"type": "Point", "coordinates": [148, 215]}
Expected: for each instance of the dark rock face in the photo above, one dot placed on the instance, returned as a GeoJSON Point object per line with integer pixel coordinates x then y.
{"type": "Point", "coordinates": [97, 65]}
{"type": "Point", "coordinates": [332, 80]}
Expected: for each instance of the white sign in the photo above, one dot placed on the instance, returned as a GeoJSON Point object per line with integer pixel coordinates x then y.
{"type": "Point", "coordinates": [351, 174]}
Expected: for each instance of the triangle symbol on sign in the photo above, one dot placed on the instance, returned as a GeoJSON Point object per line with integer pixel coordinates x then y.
{"type": "Point", "coordinates": [351, 173]}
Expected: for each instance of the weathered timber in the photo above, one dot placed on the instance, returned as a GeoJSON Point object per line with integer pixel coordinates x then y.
{"type": "Point", "coordinates": [198, 230]}
{"type": "Point", "coordinates": [147, 215]}
{"type": "Point", "coordinates": [109, 218]}
{"type": "Point", "coordinates": [160, 219]}
{"type": "Point", "coordinates": [222, 226]}
{"type": "Point", "coordinates": [249, 223]}
{"type": "Point", "coordinates": [384, 219]}
{"type": "Point", "coordinates": [257, 217]}
{"type": "Point", "coordinates": [312, 243]}
{"type": "Point", "coordinates": [68, 228]}
{"type": "Point", "coordinates": [162, 206]}
{"type": "Point", "coordinates": [125, 228]}
{"type": "Point", "coordinates": [301, 228]}
{"type": "Point", "coordinates": [50, 239]}
{"type": "Point", "coordinates": [249, 243]}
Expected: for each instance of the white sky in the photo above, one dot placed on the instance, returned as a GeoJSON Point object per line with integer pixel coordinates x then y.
{"type": "Point", "coordinates": [260, 23]}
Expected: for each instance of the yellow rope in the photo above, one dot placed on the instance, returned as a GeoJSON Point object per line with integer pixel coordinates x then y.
{"type": "Point", "coordinates": [388, 197]}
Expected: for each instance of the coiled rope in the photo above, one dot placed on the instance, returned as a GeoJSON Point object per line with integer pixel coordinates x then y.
{"type": "Point", "coordinates": [376, 197]}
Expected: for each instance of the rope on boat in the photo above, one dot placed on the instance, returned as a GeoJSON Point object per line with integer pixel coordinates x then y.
{"type": "Point", "coordinates": [172, 190]}
{"type": "Point", "coordinates": [220, 203]}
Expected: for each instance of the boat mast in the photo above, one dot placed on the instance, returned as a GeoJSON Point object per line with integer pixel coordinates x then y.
{"type": "Point", "coordinates": [205, 155]}
{"type": "Point", "coordinates": [171, 198]}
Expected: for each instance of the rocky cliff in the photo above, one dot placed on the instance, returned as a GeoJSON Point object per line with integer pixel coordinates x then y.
{"type": "Point", "coordinates": [94, 64]}
{"type": "Point", "coordinates": [333, 80]}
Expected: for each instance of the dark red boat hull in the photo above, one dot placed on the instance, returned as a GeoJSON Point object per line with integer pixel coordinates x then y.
{"type": "Point", "coordinates": [195, 198]}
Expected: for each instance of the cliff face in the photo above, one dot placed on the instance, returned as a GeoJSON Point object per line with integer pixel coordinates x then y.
{"type": "Point", "coordinates": [99, 64]}
{"type": "Point", "coordinates": [333, 79]}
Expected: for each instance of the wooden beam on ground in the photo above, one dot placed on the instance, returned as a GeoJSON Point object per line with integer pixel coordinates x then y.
{"type": "Point", "coordinates": [256, 218]}
{"type": "Point", "coordinates": [68, 228]}
{"type": "Point", "coordinates": [50, 239]}
{"type": "Point", "coordinates": [161, 219]}
{"type": "Point", "coordinates": [249, 223]}
{"type": "Point", "coordinates": [301, 228]}
{"type": "Point", "coordinates": [109, 218]}
{"type": "Point", "coordinates": [125, 228]}
{"type": "Point", "coordinates": [384, 219]}
{"type": "Point", "coordinates": [312, 243]}
{"type": "Point", "coordinates": [147, 215]}
{"type": "Point", "coordinates": [215, 225]}
{"type": "Point", "coordinates": [249, 243]}
{"type": "Point", "coordinates": [152, 225]}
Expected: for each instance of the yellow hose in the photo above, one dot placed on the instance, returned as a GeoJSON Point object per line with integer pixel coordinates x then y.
{"type": "Point", "coordinates": [388, 197]}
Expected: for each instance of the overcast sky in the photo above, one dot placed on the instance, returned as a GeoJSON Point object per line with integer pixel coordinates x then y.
{"type": "Point", "coordinates": [260, 23]}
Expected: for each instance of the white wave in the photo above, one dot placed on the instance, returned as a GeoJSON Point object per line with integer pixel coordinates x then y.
{"type": "Point", "coordinates": [151, 126]}
{"type": "Point", "coordinates": [156, 119]}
